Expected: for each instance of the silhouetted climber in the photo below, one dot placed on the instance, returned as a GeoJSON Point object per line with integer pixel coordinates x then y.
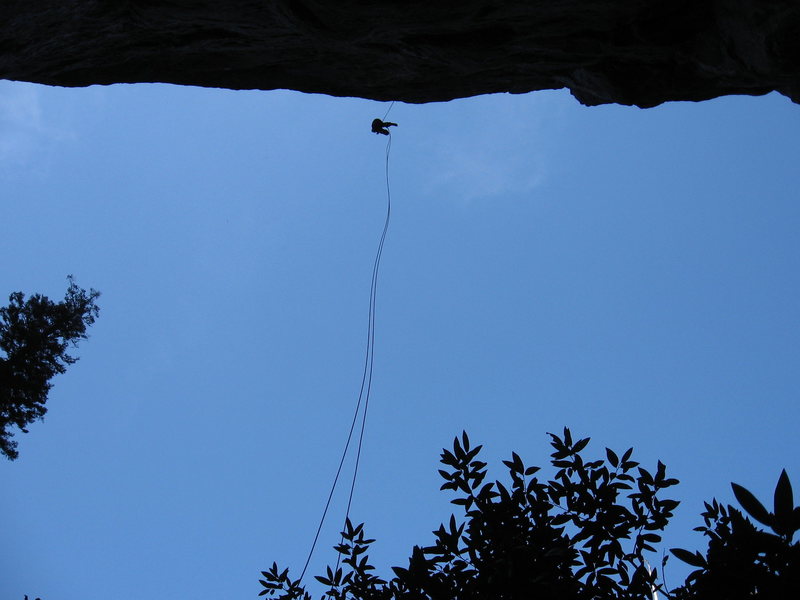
{"type": "Point", "coordinates": [382, 127]}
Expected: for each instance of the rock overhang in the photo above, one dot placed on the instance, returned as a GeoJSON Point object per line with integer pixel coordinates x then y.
{"type": "Point", "coordinates": [631, 52]}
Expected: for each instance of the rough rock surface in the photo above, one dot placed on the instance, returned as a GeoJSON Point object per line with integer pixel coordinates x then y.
{"type": "Point", "coordinates": [640, 52]}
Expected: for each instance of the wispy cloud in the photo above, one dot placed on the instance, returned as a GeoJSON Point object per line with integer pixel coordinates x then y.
{"type": "Point", "coordinates": [483, 154]}
{"type": "Point", "coordinates": [23, 128]}
{"type": "Point", "coordinates": [486, 171]}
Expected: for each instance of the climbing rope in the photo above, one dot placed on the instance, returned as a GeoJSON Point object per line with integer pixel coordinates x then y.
{"type": "Point", "coordinates": [371, 344]}
{"type": "Point", "coordinates": [366, 377]}
{"type": "Point", "coordinates": [386, 114]}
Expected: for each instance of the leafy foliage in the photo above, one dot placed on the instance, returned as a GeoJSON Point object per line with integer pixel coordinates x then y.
{"type": "Point", "coordinates": [581, 535]}
{"type": "Point", "coordinates": [742, 561]}
{"type": "Point", "coordinates": [35, 334]}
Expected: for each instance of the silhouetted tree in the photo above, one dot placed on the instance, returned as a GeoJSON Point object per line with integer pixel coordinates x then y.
{"type": "Point", "coordinates": [744, 562]}
{"type": "Point", "coordinates": [34, 335]}
{"type": "Point", "coordinates": [581, 535]}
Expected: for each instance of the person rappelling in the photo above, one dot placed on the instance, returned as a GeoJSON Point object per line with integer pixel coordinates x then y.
{"type": "Point", "coordinates": [382, 127]}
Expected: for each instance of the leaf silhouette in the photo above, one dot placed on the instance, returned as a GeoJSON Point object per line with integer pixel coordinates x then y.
{"type": "Point", "coordinates": [784, 506]}
{"type": "Point", "coordinates": [751, 504]}
{"type": "Point", "coordinates": [695, 559]}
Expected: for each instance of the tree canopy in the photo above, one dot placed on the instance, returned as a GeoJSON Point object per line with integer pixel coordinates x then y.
{"type": "Point", "coordinates": [585, 534]}
{"type": "Point", "coordinates": [35, 334]}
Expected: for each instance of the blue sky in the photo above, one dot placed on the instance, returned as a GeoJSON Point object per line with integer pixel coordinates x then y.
{"type": "Point", "coordinates": [631, 274]}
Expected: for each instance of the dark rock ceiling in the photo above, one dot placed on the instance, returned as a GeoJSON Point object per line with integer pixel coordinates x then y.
{"type": "Point", "coordinates": [635, 52]}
